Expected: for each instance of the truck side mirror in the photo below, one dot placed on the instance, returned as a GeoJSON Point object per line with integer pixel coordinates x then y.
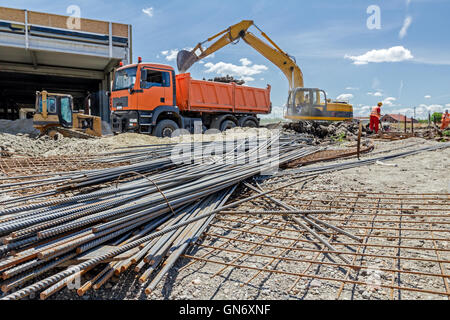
{"type": "Point", "coordinates": [143, 77]}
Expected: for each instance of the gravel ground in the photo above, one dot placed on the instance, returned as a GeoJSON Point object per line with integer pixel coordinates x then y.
{"type": "Point", "coordinates": [421, 173]}
{"type": "Point", "coordinates": [25, 144]}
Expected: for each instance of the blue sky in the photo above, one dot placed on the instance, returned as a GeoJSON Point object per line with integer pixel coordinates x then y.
{"type": "Point", "coordinates": [330, 39]}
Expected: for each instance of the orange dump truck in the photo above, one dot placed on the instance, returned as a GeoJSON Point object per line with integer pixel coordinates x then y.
{"type": "Point", "coordinates": [151, 99]}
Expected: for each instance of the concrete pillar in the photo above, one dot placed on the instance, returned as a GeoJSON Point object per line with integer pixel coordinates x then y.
{"type": "Point", "coordinates": [104, 99]}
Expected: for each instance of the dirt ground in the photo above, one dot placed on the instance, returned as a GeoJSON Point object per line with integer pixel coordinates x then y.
{"type": "Point", "coordinates": [422, 173]}
{"type": "Point", "coordinates": [25, 144]}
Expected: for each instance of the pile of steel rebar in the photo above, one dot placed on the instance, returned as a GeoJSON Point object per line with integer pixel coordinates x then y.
{"type": "Point", "coordinates": [118, 225]}
{"type": "Point", "coordinates": [143, 215]}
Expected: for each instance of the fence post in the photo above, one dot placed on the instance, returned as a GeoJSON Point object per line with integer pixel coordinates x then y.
{"type": "Point", "coordinates": [405, 123]}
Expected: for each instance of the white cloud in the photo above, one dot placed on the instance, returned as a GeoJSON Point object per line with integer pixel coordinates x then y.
{"type": "Point", "coordinates": [434, 108]}
{"type": "Point", "coordinates": [394, 54]}
{"type": "Point", "coordinates": [406, 25]}
{"type": "Point", "coordinates": [277, 113]}
{"type": "Point", "coordinates": [375, 94]}
{"type": "Point", "coordinates": [245, 62]}
{"type": "Point", "coordinates": [244, 71]}
{"type": "Point", "coordinates": [345, 97]}
{"type": "Point", "coordinates": [404, 111]}
{"type": "Point", "coordinates": [171, 55]}
{"type": "Point", "coordinates": [389, 102]}
{"type": "Point", "coordinates": [423, 110]}
{"type": "Point", "coordinates": [362, 111]}
{"type": "Point", "coordinates": [351, 88]}
{"type": "Point", "coordinates": [427, 97]}
{"type": "Point", "coordinates": [447, 105]}
{"type": "Point", "coordinates": [148, 11]}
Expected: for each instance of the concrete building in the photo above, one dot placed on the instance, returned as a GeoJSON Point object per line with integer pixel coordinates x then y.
{"type": "Point", "coordinates": [40, 51]}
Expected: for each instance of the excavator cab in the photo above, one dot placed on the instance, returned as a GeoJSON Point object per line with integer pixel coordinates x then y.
{"type": "Point", "coordinates": [306, 103]}
{"type": "Point", "coordinates": [312, 104]}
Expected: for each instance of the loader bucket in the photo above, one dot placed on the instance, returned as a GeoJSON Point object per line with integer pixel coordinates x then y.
{"type": "Point", "coordinates": [185, 60]}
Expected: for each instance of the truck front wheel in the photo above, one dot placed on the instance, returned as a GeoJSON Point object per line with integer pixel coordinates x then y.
{"type": "Point", "coordinates": [165, 129]}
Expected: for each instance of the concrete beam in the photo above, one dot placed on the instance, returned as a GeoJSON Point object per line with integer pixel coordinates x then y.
{"type": "Point", "coordinates": [113, 63]}
{"type": "Point", "coordinates": [53, 71]}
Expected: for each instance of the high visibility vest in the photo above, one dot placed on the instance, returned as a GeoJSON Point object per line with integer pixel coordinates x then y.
{"type": "Point", "coordinates": [445, 117]}
{"type": "Point", "coordinates": [376, 112]}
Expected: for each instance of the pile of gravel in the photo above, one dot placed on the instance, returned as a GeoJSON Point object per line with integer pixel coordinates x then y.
{"type": "Point", "coordinates": [23, 126]}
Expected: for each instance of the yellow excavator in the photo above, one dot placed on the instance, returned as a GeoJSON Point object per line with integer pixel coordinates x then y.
{"type": "Point", "coordinates": [303, 103]}
{"type": "Point", "coordinates": [54, 115]}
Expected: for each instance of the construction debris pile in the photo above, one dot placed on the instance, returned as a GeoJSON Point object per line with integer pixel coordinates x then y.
{"type": "Point", "coordinates": [228, 79]}
{"type": "Point", "coordinates": [327, 130]}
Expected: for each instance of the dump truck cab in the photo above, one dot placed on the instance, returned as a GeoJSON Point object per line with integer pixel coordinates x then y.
{"type": "Point", "coordinates": [140, 94]}
{"type": "Point", "coordinates": [149, 98]}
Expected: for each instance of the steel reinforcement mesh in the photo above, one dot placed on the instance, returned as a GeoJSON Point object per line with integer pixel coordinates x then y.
{"type": "Point", "coordinates": [404, 253]}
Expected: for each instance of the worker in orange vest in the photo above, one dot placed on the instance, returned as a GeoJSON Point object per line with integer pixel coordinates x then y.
{"type": "Point", "coordinates": [375, 118]}
{"type": "Point", "coordinates": [445, 120]}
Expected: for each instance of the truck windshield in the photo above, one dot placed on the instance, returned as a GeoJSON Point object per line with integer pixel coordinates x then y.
{"type": "Point", "coordinates": [125, 79]}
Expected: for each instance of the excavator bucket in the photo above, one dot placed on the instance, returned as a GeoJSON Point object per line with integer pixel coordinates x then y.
{"type": "Point", "coordinates": [185, 60]}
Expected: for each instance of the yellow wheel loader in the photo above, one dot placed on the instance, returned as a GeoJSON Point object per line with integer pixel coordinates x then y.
{"type": "Point", "coordinates": [54, 114]}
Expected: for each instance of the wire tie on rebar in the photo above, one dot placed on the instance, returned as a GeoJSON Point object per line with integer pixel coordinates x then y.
{"type": "Point", "coordinates": [150, 180]}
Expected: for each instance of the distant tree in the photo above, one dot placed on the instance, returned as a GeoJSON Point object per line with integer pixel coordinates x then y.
{"type": "Point", "coordinates": [436, 117]}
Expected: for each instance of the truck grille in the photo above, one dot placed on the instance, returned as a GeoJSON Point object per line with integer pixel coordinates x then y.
{"type": "Point", "coordinates": [120, 102]}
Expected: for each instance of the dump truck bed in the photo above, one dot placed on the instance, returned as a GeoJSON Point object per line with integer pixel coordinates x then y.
{"type": "Point", "coordinates": [208, 96]}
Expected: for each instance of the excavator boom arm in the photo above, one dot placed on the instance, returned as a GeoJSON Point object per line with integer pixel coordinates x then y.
{"type": "Point", "coordinates": [240, 31]}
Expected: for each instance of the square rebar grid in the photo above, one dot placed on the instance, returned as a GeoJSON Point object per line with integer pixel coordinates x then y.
{"type": "Point", "coordinates": [404, 253]}
{"type": "Point", "coordinates": [26, 169]}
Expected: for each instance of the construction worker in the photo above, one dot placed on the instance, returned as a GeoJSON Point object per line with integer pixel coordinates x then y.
{"type": "Point", "coordinates": [445, 120]}
{"type": "Point", "coordinates": [375, 118]}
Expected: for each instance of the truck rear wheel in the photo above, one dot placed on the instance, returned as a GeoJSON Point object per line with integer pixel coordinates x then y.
{"type": "Point", "coordinates": [227, 124]}
{"type": "Point", "coordinates": [249, 122]}
{"type": "Point", "coordinates": [165, 129]}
